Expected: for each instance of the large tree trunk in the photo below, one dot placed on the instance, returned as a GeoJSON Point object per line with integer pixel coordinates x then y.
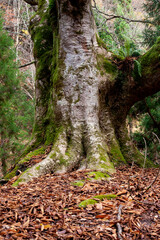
{"type": "Point", "coordinates": [82, 99]}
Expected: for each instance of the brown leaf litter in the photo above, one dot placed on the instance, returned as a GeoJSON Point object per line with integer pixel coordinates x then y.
{"type": "Point", "coordinates": [47, 208]}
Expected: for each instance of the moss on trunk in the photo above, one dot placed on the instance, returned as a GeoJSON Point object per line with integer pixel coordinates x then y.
{"type": "Point", "coordinates": [82, 98]}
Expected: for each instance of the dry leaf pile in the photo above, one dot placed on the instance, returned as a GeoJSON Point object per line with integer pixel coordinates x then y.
{"type": "Point", "coordinates": [47, 208]}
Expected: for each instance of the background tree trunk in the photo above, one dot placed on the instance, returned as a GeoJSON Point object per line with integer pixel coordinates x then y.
{"type": "Point", "coordinates": [82, 99]}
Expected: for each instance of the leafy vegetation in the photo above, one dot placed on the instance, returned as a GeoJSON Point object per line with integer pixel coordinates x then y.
{"type": "Point", "coordinates": [152, 30]}
{"type": "Point", "coordinates": [120, 42]}
{"type": "Point", "coordinates": [16, 108]}
{"type": "Point", "coordinates": [147, 113]}
{"type": "Point", "coordinates": [118, 35]}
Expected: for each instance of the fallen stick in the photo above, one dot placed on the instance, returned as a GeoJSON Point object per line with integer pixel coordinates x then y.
{"type": "Point", "coordinates": [119, 228]}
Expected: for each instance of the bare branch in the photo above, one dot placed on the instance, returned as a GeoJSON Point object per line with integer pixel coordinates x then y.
{"type": "Point", "coordinates": [157, 125]}
{"type": "Point", "coordinates": [156, 137]}
{"type": "Point", "coordinates": [112, 16]}
{"type": "Point", "coordinates": [27, 64]}
{"type": "Point", "coordinates": [27, 93]}
{"type": "Point", "coordinates": [32, 2]}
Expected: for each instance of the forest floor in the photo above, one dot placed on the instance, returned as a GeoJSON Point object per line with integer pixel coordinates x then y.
{"type": "Point", "coordinates": [48, 207]}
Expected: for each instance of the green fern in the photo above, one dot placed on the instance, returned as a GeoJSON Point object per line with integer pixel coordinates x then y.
{"type": "Point", "coordinates": [137, 72]}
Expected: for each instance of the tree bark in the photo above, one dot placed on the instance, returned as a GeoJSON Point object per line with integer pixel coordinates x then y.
{"type": "Point", "coordinates": [82, 99]}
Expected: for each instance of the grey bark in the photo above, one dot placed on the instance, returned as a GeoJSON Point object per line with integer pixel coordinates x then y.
{"type": "Point", "coordinates": [87, 107]}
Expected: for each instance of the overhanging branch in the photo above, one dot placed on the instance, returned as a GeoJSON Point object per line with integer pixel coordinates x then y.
{"type": "Point", "coordinates": [123, 94]}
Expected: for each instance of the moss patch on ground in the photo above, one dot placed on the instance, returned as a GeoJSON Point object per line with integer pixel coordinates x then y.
{"type": "Point", "coordinates": [106, 196]}
{"type": "Point", "coordinates": [98, 176]}
{"type": "Point", "coordinates": [78, 183]}
{"type": "Point", "coordinates": [87, 202]}
{"type": "Point", "coordinates": [93, 200]}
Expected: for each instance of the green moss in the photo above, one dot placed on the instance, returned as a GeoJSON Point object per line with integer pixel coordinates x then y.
{"type": "Point", "coordinates": [106, 196]}
{"type": "Point", "coordinates": [98, 175]}
{"type": "Point", "coordinates": [21, 164]}
{"type": "Point", "coordinates": [137, 71]}
{"type": "Point", "coordinates": [87, 202]}
{"type": "Point", "coordinates": [44, 32]}
{"type": "Point", "coordinates": [12, 173]}
{"type": "Point", "coordinates": [34, 153]}
{"type": "Point", "coordinates": [110, 67]}
{"type": "Point", "coordinates": [51, 4]}
{"type": "Point", "coordinates": [52, 133]}
{"type": "Point", "coordinates": [150, 60]}
{"type": "Point", "coordinates": [158, 40]}
{"type": "Point", "coordinates": [103, 163]}
{"type": "Point", "coordinates": [62, 161]}
{"type": "Point", "coordinates": [16, 183]}
{"type": "Point", "coordinates": [116, 155]}
{"type": "Point", "coordinates": [37, 168]}
{"type": "Point", "coordinates": [53, 155]}
{"type": "Point", "coordinates": [101, 43]}
{"type": "Point", "coordinates": [106, 66]}
{"type": "Point", "coordinates": [78, 183]}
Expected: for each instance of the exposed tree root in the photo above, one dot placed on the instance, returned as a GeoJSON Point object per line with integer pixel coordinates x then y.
{"type": "Point", "coordinates": [69, 154]}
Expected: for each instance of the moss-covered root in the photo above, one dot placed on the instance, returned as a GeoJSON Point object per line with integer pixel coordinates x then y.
{"type": "Point", "coordinates": [22, 164]}
{"type": "Point", "coordinates": [66, 155]}
{"type": "Point", "coordinates": [98, 159]}
{"type": "Point", "coordinates": [96, 199]}
{"type": "Point", "coordinates": [55, 161]}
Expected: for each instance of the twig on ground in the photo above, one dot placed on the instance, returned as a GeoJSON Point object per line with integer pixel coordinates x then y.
{"type": "Point", "coordinates": [119, 228]}
{"type": "Point", "coordinates": [152, 182]}
{"type": "Point", "coordinates": [145, 154]}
